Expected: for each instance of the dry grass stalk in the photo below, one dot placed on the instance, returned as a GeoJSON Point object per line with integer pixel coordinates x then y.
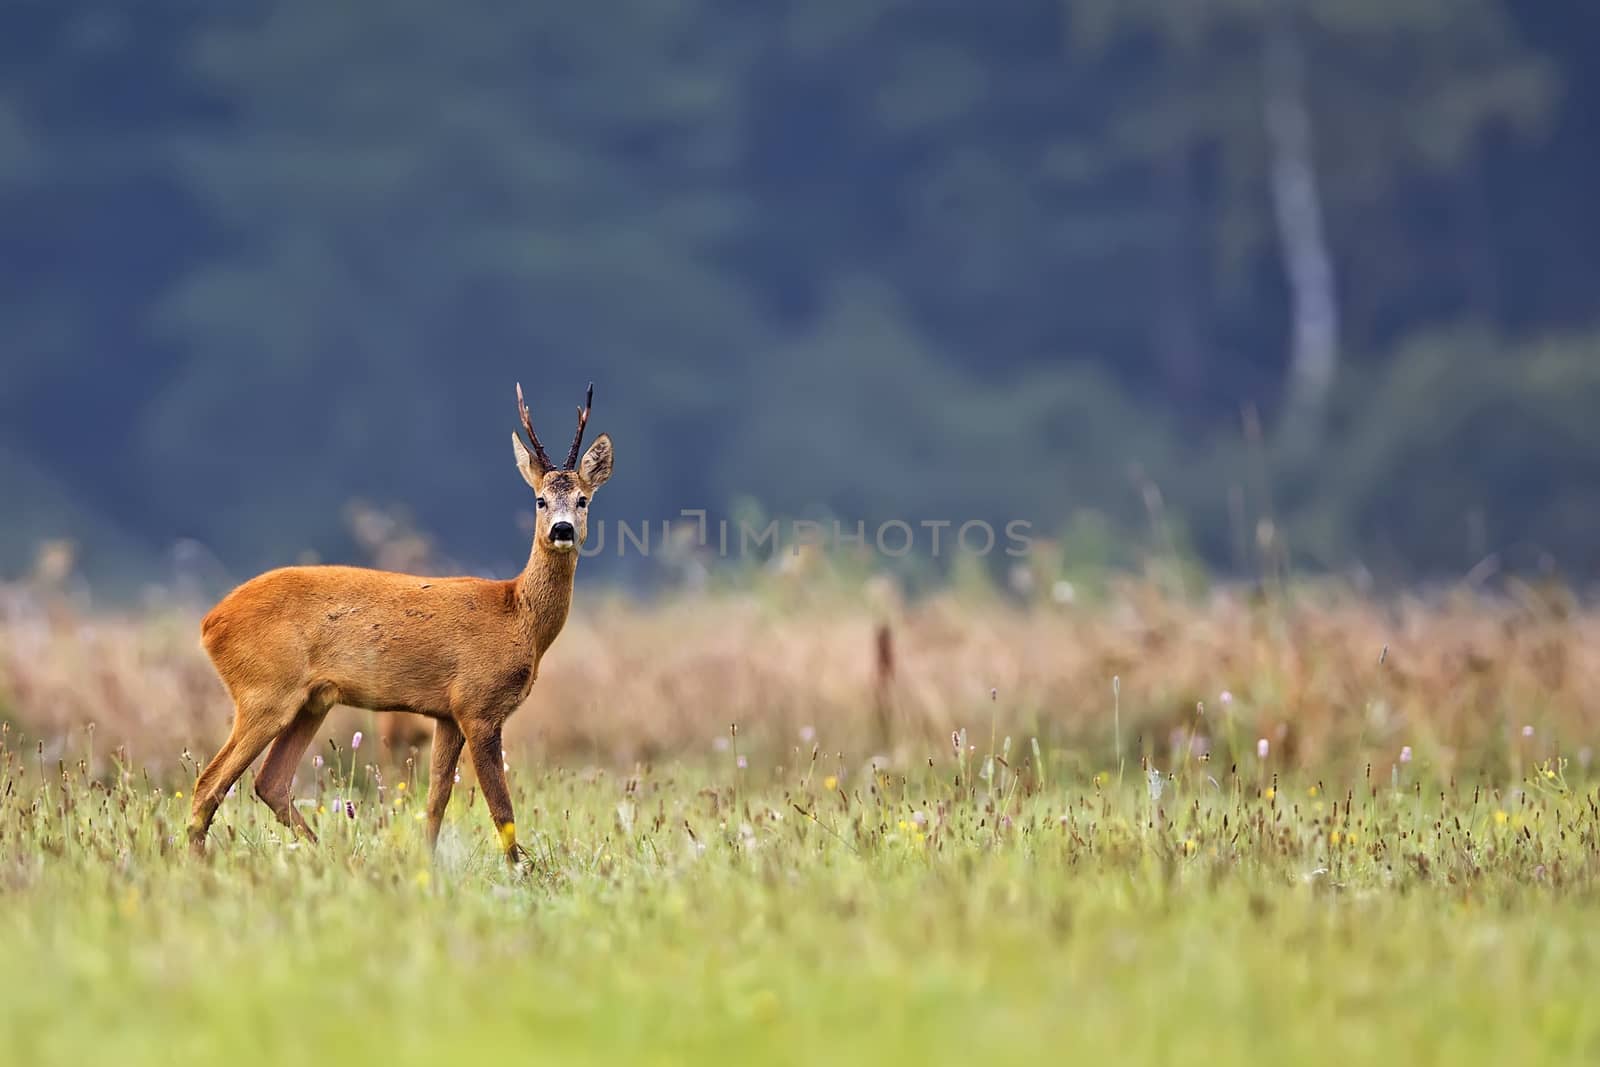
{"type": "Point", "coordinates": [1461, 678]}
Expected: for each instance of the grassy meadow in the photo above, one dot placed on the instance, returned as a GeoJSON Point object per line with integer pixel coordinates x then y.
{"type": "Point", "coordinates": [778, 827]}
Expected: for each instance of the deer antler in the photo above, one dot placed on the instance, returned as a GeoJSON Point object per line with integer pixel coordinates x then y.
{"type": "Point", "coordinates": [533, 438]}
{"type": "Point", "coordinates": [583, 420]}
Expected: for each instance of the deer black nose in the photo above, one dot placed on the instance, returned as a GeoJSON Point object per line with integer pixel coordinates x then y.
{"type": "Point", "coordinates": [562, 531]}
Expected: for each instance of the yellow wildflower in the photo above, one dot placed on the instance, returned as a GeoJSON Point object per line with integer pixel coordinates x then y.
{"type": "Point", "coordinates": [1311, 792]}
{"type": "Point", "coordinates": [904, 825]}
{"type": "Point", "coordinates": [918, 838]}
{"type": "Point", "coordinates": [1333, 837]}
{"type": "Point", "coordinates": [1189, 847]}
{"type": "Point", "coordinates": [1270, 793]}
{"type": "Point", "coordinates": [401, 787]}
{"type": "Point", "coordinates": [829, 782]}
{"type": "Point", "coordinates": [178, 794]}
{"type": "Point", "coordinates": [765, 1005]}
{"type": "Point", "coordinates": [1500, 818]}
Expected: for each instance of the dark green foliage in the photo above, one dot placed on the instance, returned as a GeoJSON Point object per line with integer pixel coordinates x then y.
{"type": "Point", "coordinates": [1459, 452]}
{"type": "Point", "coordinates": [865, 258]}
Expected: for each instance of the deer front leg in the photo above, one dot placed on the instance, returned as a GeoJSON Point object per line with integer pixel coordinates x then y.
{"type": "Point", "coordinates": [447, 742]}
{"type": "Point", "coordinates": [483, 741]}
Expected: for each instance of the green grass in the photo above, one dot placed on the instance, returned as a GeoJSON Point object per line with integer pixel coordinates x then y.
{"type": "Point", "coordinates": [702, 915]}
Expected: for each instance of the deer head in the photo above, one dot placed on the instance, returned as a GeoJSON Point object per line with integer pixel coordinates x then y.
{"type": "Point", "coordinates": [563, 493]}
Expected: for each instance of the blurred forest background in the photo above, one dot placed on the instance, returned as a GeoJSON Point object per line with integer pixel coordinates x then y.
{"type": "Point", "coordinates": [1329, 262]}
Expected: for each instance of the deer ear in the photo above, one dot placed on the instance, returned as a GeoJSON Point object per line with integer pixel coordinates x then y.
{"type": "Point", "coordinates": [525, 463]}
{"type": "Point", "coordinates": [595, 467]}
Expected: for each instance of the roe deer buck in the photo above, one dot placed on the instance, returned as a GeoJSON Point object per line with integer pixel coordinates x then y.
{"type": "Point", "coordinates": [291, 643]}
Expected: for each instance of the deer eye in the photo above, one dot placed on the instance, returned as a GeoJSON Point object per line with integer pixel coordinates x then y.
{"type": "Point", "coordinates": [541, 502]}
{"type": "Point", "coordinates": [583, 501]}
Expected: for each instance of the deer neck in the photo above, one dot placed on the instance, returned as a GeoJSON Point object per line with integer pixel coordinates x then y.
{"type": "Point", "coordinates": [544, 593]}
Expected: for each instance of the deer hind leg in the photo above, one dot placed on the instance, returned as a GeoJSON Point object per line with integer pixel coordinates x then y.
{"type": "Point", "coordinates": [274, 783]}
{"type": "Point", "coordinates": [257, 719]}
{"type": "Point", "coordinates": [447, 742]}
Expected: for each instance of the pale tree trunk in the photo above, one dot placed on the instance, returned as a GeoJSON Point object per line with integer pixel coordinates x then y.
{"type": "Point", "coordinates": [1297, 209]}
